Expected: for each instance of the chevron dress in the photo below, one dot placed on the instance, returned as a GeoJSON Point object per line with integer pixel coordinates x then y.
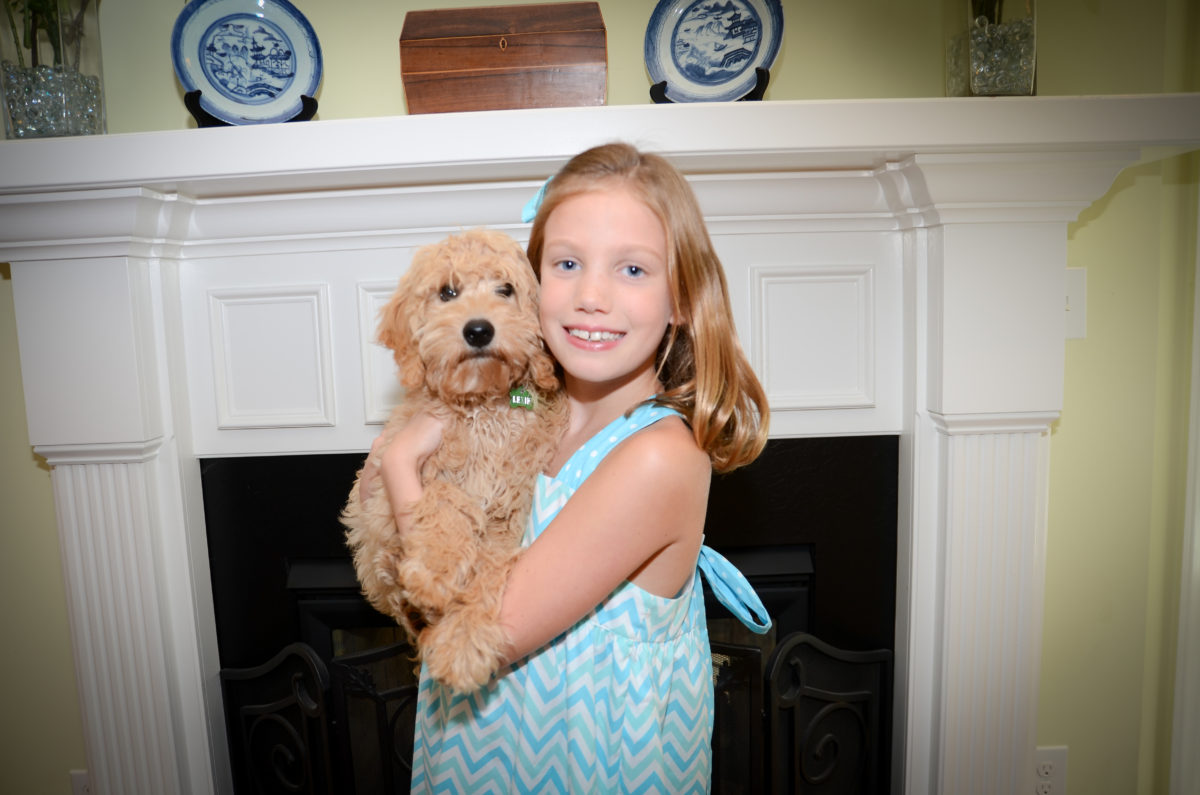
{"type": "Point", "coordinates": [620, 703]}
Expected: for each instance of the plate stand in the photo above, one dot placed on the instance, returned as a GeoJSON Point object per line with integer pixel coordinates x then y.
{"type": "Point", "coordinates": [308, 107]}
{"type": "Point", "coordinates": [658, 91]}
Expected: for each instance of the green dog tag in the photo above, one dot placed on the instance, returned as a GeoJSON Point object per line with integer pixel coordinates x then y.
{"type": "Point", "coordinates": [521, 398]}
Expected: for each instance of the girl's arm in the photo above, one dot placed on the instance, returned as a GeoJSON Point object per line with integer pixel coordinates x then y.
{"type": "Point", "coordinates": [398, 464]}
{"type": "Point", "coordinates": [639, 516]}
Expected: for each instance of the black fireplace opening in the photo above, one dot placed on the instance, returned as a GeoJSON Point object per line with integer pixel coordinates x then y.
{"type": "Point", "coordinates": [320, 689]}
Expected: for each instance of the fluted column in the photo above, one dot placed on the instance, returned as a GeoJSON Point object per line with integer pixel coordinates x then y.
{"type": "Point", "coordinates": [113, 583]}
{"type": "Point", "coordinates": [994, 471]}
{"type": "Point", "coordinates": [132, 621]}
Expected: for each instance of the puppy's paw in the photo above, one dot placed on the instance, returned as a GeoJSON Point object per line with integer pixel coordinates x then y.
{"type": "Point", "coordinates": [463, 650]}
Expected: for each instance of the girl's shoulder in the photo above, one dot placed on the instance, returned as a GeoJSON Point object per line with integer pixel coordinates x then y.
{"type": "Point", "coordinates": [664, 449]}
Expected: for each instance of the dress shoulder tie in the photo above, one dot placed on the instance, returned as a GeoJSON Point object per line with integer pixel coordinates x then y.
{"type": "Point", "coordinates": [733, 590]}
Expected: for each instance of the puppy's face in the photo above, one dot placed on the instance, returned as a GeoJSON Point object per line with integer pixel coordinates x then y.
{"type": "Point", "coordinates": [464, 321]}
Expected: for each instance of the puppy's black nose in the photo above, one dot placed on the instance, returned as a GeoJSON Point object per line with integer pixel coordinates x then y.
{"type": "Point", "coordinates": [478, 333]}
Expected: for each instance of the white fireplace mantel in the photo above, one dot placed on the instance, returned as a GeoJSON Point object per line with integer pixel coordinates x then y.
{"type": "Point", "coordinates": [895, 266]}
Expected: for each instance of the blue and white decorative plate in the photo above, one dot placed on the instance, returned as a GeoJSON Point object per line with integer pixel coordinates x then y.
{"type": "Point", "coordinates": [252, 60]}
{"type": "Point", "coordinates": [707, 50]}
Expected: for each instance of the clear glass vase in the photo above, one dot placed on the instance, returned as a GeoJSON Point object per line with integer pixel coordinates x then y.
{"type": "Point", "coordinates": [992, 49]}
{"type": "Point", "coordinates": [50, 68]}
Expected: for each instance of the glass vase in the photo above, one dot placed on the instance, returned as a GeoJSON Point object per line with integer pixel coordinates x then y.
{"type": "Point", "coordinates": [50, 68]}
{"type": "Point", "coordinates": [995, 52]}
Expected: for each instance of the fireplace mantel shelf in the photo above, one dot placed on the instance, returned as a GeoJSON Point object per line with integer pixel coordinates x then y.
{"type": "Point", "coordinates": [895, 267]}
{"type": "Point", "coordinates": [523, 144]}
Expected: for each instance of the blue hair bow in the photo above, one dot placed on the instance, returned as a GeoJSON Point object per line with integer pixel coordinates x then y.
{"type": "Point", "coordinates": [530, 211]}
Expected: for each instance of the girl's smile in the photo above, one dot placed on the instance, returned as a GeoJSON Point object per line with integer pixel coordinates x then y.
{"type": "Point", "coordinates": [594, 336]}
{"type": "Point", "coordinates": [605, 297]}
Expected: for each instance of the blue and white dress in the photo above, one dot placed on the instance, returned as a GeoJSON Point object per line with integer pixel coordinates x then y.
{"type": "Point", "coordinates": [620, 703]}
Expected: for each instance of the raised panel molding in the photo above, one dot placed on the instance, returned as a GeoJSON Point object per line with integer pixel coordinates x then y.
{"type": "Point", "coordinates": [380, 388]}
{"type": "Point", "coordinates": [272, 360]}
{"type": "Point", "coordinates": [813, 338]}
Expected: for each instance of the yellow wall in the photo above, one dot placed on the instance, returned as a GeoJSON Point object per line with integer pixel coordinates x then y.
{"type": "Point", "coordinates": [1118, 455]}
{"type": "Point", "coordinates": [1118, 461]}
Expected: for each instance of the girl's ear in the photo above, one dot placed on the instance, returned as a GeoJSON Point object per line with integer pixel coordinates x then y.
{"type": "Point", "coordinates": [395, 332]}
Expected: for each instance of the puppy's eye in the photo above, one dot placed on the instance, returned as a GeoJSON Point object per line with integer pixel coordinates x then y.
{"type": "Point", "coordinates": [448, 293]}
{"type": "Point", "coordinates": [505, 290]}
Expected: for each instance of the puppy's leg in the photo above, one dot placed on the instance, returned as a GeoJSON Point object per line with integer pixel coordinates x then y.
{"type": "Point", "coordinates": [440, 547]}
{"type": "Point", "coordinates": [377, 551]}
{"type": "Point", "coordinates": [467, 645]}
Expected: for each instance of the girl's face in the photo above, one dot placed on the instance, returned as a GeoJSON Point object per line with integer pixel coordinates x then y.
{"type": "Point", "coordinates": [605, 294]}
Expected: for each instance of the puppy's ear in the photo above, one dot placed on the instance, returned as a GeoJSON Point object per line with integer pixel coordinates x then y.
{"type": "Point", "coordinates": [392, 325]}
{"type": "Point", "coordinates": [542, 371]}
{"type": "Point", "coordinates": [395, 332]}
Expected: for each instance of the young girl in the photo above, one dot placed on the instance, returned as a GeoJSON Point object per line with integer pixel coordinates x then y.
{"type": "Point", "coordinates": [609, 686]}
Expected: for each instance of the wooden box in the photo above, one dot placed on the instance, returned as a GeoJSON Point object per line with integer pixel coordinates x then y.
{"type": "Point", "coordinates": [498, 57]}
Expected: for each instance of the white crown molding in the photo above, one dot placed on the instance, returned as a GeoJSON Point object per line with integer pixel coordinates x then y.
{"type": "Point", "coordinates": [119, 453]}
{"type": "Point", "coordinates": [443, 148]}
{"type": "Point", "coordinates": [209, 192]}
{"type": "Point", "coordinates": [994, 423]}
{"type": "Point", "coordinates": [916, 191]}
{"type": "Point", "coordinates": [105, 222]}
{"type": "Point", "coordinates": [996, 187]}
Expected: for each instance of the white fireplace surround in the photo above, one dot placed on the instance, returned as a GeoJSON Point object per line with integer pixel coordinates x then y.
{"type": "Point", "coordinates": [896, 267]}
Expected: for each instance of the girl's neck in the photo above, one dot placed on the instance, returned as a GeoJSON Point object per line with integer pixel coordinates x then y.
{"type": "Point", "coordinates": [595, 405]}
{"type": "Point", "coordinates": [592, 407]}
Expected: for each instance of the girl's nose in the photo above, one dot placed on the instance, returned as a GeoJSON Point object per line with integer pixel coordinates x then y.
{"type": "Point", "coordinates": [593, 294]}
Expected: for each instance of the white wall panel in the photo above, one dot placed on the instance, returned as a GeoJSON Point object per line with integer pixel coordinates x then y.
{"type": "Point", "coordinates": [272, 363]}
{"type": "Point", "coordinates": [280, 314]}
{"type": "Point", "coordinates": [812, 341]}
{"type": "Point", "coordinates": [820, 317]}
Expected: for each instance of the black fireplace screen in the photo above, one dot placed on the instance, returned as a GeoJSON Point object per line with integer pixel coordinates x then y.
{"type": "Point", "coordinates": [320, 689]}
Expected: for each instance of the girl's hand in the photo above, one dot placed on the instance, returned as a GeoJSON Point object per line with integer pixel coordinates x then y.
{"type": "Point", "coordinates": [396, 459]}
{"type": "Point", "coordinates": [410, 446]}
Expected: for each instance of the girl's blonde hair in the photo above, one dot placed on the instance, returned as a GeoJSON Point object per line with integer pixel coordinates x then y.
{"type": "Point", "coordinates": [705, 374]}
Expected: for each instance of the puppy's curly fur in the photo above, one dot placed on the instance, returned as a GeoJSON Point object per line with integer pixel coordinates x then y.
{"type": "Point", "coordinates": [463, 325]}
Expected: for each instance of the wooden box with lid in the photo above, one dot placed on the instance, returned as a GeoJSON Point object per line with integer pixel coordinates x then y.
{"type": "Point", "coordinates": [499, 57]}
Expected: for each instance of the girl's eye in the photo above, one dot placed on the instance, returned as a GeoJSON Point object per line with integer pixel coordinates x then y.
{"type": "Point", "coordinates": [448, 293]}
{"type": "Point", "coordinates": [505, 290]}
{"type": "Point", "coordinates": [567, 265]}
{"type": "Point", "coordinates": [634, 270]}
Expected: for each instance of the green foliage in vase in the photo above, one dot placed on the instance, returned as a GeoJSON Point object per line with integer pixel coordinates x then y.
{"type": "Point", "coordinates": [34, 24]}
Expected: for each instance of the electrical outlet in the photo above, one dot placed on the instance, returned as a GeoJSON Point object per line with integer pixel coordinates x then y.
{"type": "Point", "coordinates": [1050, 765]}
{"type": "Point", "coordinates": [79, 783]}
